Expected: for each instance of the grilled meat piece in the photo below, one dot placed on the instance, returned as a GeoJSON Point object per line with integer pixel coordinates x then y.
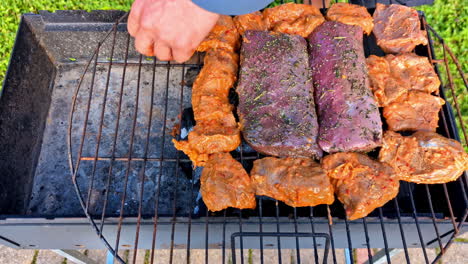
{"type": "Point", "coordinates": [276, 107]}
{"type": "Point", "coordinates": [351, 15]}
{"type": "Point", "coordinates": [424, 157]}
{"type": "Point", "coordinates": [397, 28]}
{"type": "Point", "coordinates": [295, 181]}
{"type": "Point", "coordinates": [252, 21]}
{"type": "Point", "coordinates": [225, 183]}
{"type": "Point", "coordinates": [349, 119]}
{"type": "Point", "coordinates": [413, 111]}
{"type": "Point", "coordinates": [290, 18]}
{"type": "Point", "coordinates": [216, 129]}
{"type": "Point", "coordinates": [223, 35]}
{"type": "Point", "coordinates": [361, 183]}
{"type": "Point", "coordinates": [393, 75]}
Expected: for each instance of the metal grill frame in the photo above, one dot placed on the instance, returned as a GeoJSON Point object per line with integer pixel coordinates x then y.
{"type": "Point", "coordinates": [99, 223]}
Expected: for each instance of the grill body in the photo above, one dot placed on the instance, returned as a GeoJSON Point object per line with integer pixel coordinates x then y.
{"type": "Point", "coordinates": [135, 174]}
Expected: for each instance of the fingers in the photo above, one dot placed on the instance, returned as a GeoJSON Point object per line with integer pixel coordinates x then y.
{"type": "Point", "coordinates": [133, 23]}
{"type": "Point", "coordinates": [162, 51]}
{"type": "Point", "coordinates": [144, 43]}
{"type": "Point", "coordinates": [182, 55]}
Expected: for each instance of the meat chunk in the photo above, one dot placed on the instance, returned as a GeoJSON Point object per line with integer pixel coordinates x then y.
{"type": "Point", "coordinates": [349, 119]}
{"type": "Point", "coordinates": [252, 21]}
{"type": "Point", "coordinates": [393, 75]}
{"type": "Point", "coordinates": [216, 129]}
{"type": "Point", "coordinates": [223, 35]}
{"type": "Point", "coordinates": [413, 111]}
{"type": "Point", "coordinates": [351, 15]}
{"type": "Point", "coordinates": [225, 183]}
{"type": "Point", "coordinates": [361, 183]}
{"type": "Point", "coordinates": [295, 181]}
{"type": "Point", "coordinates": [424, 157]}
{"type": "Point", "coordinates": [386, 87]}
{"type": "Point", "coordinates": [290, 18]}
{"type": "Point", "coordinates": [211, 88]}
{"type": "Point", "coordinates": [397, 28]}
{"type": "Point", "coordinates": [276, 107]}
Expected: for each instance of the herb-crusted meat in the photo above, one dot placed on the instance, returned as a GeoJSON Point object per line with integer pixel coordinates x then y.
{"type": "Point", "coordinates": [276, 107]}
{"type": "Point", "coordinates": [348, 115]}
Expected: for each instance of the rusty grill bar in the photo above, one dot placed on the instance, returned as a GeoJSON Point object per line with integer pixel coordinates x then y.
{"type": "Point", "coordinates": [119, 139]}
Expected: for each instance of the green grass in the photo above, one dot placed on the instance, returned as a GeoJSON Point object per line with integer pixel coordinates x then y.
{"type": "Point", "coordinates": [11, 10]}
{"type": "Point", "coordinates": [449, 18]}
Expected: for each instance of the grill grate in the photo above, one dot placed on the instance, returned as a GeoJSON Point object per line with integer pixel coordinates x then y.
{"type": "Point", "coordinates": [138, 192]}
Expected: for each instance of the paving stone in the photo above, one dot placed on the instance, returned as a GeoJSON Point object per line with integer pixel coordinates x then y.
{"type": "Point", "coordinates": [416, 255]}
{"type": "Point", "coordinates": [456, 254]}
{"type": "Point", "coordinates": [49, 257]}
{"type": "Point", "coordinates": [15, 256]}
{"type": "Point", "coordinates": [98, 256]}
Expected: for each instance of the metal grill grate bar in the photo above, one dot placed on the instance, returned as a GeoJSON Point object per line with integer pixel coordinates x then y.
{"type": "Point", "coordinates": [98, 98]}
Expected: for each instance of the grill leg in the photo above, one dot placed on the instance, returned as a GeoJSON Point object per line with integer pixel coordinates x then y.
{"type": "Point", "coordinates": [380, 257]}
{"type": "Point", "coordinates": [75, 256]}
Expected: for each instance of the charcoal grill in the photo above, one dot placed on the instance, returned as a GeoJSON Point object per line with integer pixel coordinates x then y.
{"type": "Point", "coordinates": [82, 111]}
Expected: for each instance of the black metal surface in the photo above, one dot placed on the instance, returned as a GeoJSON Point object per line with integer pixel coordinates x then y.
{"type": "Point", "coordinates": [160, 206]}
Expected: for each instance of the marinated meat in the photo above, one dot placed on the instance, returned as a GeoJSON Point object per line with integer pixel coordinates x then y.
{"type": "Point", "coordinates": [413, 111]}
{"type": "Point", "coordinates": [361, 183]}
{"type": "Point", "coordinates": [252, 21]}
{"type": "Point", "coordinates": [223, 35]}
{"type": "Point", "coordinates": [397, 28]}
{"type": "Point", "coordinates": [351, 15]}
{"type": "Point", "coordinates": [276, 107]}
{"type": "Point", "coordinates": [393, 75]}
{"type": "Point", "coordinates": [349, 119]}
{"type": "Point", "coordinates": [385, 86]}
{"type": "Point", "coordinates": [225, 183]}
{"type": "Point", "coordinates": [290, 18]}
{"type": "Point", "coordinates": [211, 88]}
{"type": "Point", "coordinates": [295, 181]}
{"type": "Point", "coordinates": [216, 129]}
{"type": "Point", "coordinates": [424, 157]}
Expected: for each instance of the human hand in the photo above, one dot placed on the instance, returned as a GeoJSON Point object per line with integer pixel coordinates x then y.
{"type": "Point", "coordinates": [169, 29]}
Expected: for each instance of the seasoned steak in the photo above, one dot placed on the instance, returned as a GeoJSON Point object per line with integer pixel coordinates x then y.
{"type": "Point", "coordinates": [352, 15]}
{"type": "Point", "coordinates": [414, 111]}
{"type": "Point", "coordinates": [361, 183]}
{"type": "Point", "coordinates": [424, 157]}
{"type": "Point", "coordinates": [291, 18]}
{"type": "Point", "coordinates": [397, 28]}
{"type": "Point", "coordinates": [297, 182]}
{"type": "Point", "coordinates": [225, 183]}
{"type": "Point", "coordinates": [276, 107]}
{"type": "Point", "coordinates": [349, 119]}
{"type": "Point", "coordinates": [393, 75]}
